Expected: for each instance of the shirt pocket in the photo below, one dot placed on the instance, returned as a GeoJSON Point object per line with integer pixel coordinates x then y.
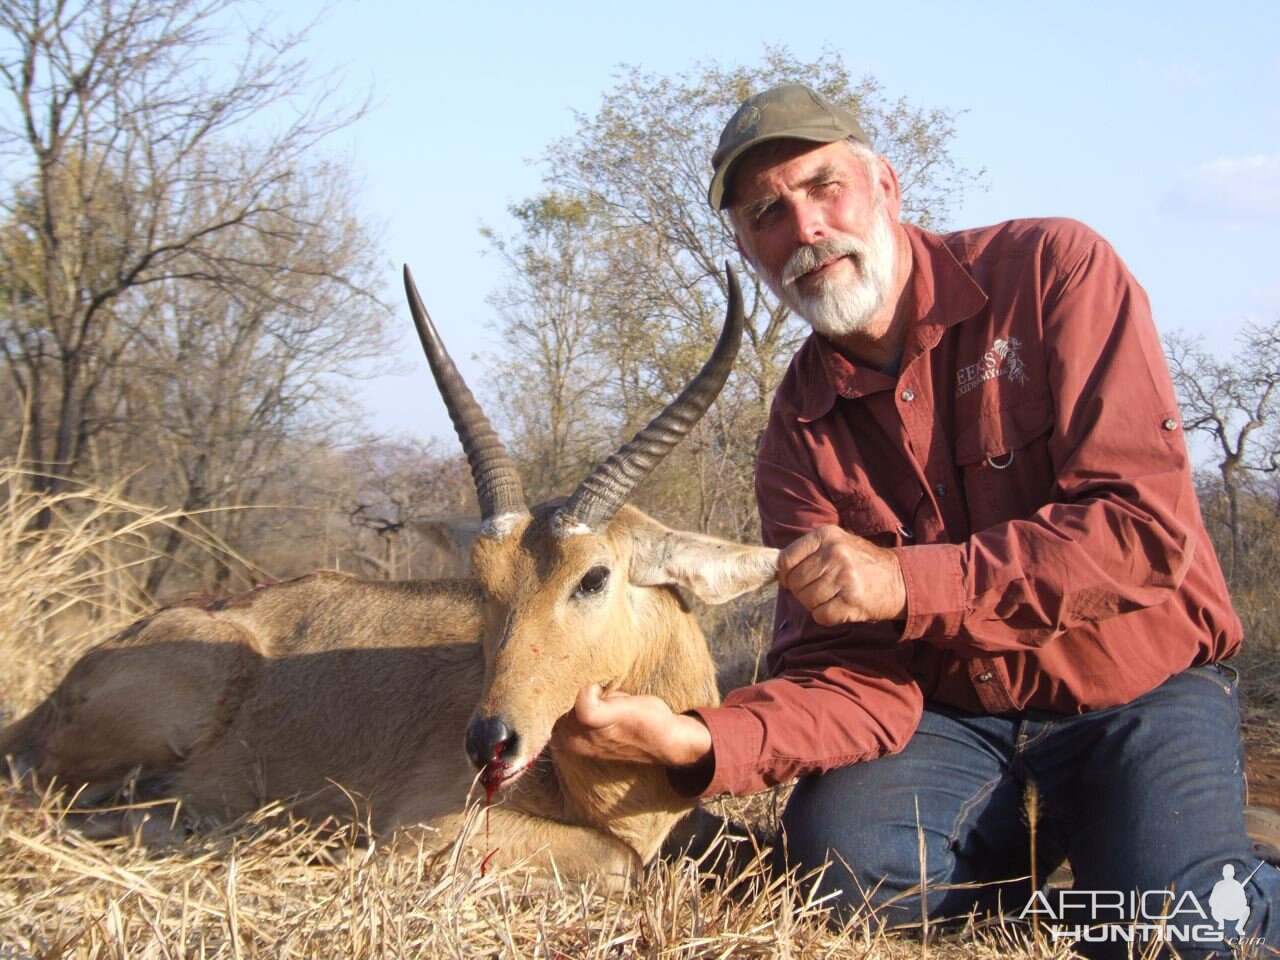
{"type": "Point", "coordinates": [871, 518]}
{"type": "Point", "coordinates": [1003, 456]}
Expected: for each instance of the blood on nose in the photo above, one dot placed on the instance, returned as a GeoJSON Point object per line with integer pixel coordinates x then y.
{"type": "Point", "coordinates": [488, 740]}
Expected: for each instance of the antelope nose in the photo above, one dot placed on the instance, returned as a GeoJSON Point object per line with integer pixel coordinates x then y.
{"type": "Point", "coordinates": [489, 739]}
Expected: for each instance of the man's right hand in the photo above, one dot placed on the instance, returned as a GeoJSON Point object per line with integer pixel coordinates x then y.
{"type": "Point", "coordinates": [611, 725]}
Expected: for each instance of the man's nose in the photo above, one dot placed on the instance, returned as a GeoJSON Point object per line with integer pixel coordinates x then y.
{"type": "Point", "coordinates": [810, 224]}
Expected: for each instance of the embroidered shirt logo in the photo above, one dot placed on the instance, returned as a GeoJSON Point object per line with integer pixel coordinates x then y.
{"type": "Point", "coordinates": [1002, 360]}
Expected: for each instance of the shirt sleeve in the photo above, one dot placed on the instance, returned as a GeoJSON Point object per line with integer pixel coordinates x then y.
{"type": "Point", "coordinates": [838, 695]}
{"type": "Point", "coordinates": [1117, 533]}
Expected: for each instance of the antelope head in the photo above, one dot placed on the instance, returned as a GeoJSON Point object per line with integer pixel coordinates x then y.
{"type": "Point", "coordinates": [583, 590]}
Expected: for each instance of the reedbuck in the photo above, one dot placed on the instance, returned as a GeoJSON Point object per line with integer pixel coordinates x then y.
{"type": "Point", "coordinates": [389, 700]}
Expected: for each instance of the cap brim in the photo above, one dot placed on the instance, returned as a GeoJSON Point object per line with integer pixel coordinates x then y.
{"type": "Point", "coordinates": [716, 192]}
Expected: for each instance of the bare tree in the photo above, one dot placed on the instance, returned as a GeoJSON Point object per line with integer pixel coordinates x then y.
{"type": "Point", "coordinates": [403, 491]}
{"type": "Point", "coordinates": [653, 280]}
{"type": "Point", "coordinates": [142, 163]}
{"type": "Point", "coordinates": [1234, 402]}
{"type": "Point", "coordinates": [550, 348]}
{"type": "Point", "coordinates": [221, 378]}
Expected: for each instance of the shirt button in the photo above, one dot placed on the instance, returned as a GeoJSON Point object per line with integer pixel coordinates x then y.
{"type": "Point", "coordinates": [940, 489]}
{"type": "Point", "coordinates": [1170, 424]}
{"type": "Point", "coordinates": [908, 396]}
{"type": "Point", "coordinates": [985, 677]}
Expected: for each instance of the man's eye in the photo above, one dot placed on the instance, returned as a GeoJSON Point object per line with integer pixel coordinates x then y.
{"type": "Point", "coordinates": [767, 215]}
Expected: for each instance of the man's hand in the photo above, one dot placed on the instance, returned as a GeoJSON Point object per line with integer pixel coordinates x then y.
{"type": "Point", "coordinates": [609, 725]}
{"type": "Point", "coordinates": [842, 578]}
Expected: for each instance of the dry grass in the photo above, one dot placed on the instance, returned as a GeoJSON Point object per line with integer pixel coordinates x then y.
{"type": "Point", "coordinates": [71, 573]}
{"type": "Point", "coordinates": [267, 887]}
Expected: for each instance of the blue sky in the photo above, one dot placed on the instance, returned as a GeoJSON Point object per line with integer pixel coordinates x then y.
{"type": "Point", "coordinates": [1157, 124]}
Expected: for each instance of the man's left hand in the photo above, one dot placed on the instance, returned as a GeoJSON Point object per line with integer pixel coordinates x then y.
{"type": "Point", "coordinates": [842, 578]}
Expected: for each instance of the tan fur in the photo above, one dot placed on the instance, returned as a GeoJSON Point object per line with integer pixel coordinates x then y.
{"type": "Point", "coordinates": [350, 698]}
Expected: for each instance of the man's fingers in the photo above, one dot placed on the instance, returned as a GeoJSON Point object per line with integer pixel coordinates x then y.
{"type": "Point", "coordinates": [797, 551]}
{"type": "Point", "coordinates": [610, 724]}
{"type": "Point", "coordinates": [589, 707]}
{"type": "Point", "coordinates": [813, 571]}
{"type": "Point", "coordinates": [817, 592]}
{"type": "Point", "coordinates": [834, 611]}
{"type": "Point", "coordinates": [814, 553]}
{"type": "Point", "coordinates": [597, 707]}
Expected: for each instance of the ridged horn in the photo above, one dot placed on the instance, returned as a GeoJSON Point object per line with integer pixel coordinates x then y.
{"type": "Point", "coordinates": [603, 493]}
{"type": "Point", "coordinates": [498, 486]}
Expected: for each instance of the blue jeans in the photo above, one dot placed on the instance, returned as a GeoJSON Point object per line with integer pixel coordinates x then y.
{"type": "Point", "coordinates": [1143, 797]}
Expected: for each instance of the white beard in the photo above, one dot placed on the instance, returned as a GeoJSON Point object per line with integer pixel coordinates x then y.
{"type": "Point", "coordinates": [838, 308]}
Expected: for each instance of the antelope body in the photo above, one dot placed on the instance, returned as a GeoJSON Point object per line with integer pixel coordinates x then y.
{"type": "Point", "coordinates": [352, 698]}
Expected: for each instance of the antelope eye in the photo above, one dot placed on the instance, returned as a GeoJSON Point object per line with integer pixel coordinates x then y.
{"type": "Point", "coordinates": [593, 581]}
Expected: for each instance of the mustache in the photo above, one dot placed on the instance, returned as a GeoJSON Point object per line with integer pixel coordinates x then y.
{"type": "Point", "coordinates": [813, 255]}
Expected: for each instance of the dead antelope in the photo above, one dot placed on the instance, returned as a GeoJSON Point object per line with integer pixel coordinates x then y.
{"type": "Point", "coordinates": [383, 700]}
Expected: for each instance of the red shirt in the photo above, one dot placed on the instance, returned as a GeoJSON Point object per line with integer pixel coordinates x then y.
{"type": "Point", "coordinates": [1029, 467]}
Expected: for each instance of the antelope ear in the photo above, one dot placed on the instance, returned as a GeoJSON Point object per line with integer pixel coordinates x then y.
{"type": "Point", "coordinates": [712, 569]}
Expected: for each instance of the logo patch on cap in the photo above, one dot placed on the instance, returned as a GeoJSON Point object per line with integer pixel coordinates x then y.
{"type": "Point", "coordinates": [749, 118]}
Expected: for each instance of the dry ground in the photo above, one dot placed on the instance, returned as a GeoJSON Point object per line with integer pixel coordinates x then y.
{"type": "Point", "coordinates": [1259, 664]}
{"type": "Point", "coordinates": [265, 889]}
{"type": "Point", "coordinates": [269, 888]}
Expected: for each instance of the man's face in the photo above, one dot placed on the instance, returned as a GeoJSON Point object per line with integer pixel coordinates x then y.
{"type": "Point", "coordinates": [817, 223]}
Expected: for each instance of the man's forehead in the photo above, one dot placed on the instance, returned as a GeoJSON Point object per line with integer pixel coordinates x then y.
{"type": "Point", "coordinates": [798, 159]}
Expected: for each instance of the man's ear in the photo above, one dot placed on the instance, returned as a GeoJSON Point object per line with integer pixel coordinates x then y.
{"type": "Point", "coordinates": [887, 178]}
{"type": "Point", "coordinates": [737, 240]}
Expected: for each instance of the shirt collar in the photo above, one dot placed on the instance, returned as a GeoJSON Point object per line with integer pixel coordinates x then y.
{"type": "Point", "coordinates": [943, 295]}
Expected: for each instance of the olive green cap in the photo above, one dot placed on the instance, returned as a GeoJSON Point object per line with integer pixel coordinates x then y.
{"type": "Point", "coordinates": [789, 111]}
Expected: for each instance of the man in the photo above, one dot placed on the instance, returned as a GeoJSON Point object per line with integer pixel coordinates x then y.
{"type": "Point", "coordinates": [995, 570]}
